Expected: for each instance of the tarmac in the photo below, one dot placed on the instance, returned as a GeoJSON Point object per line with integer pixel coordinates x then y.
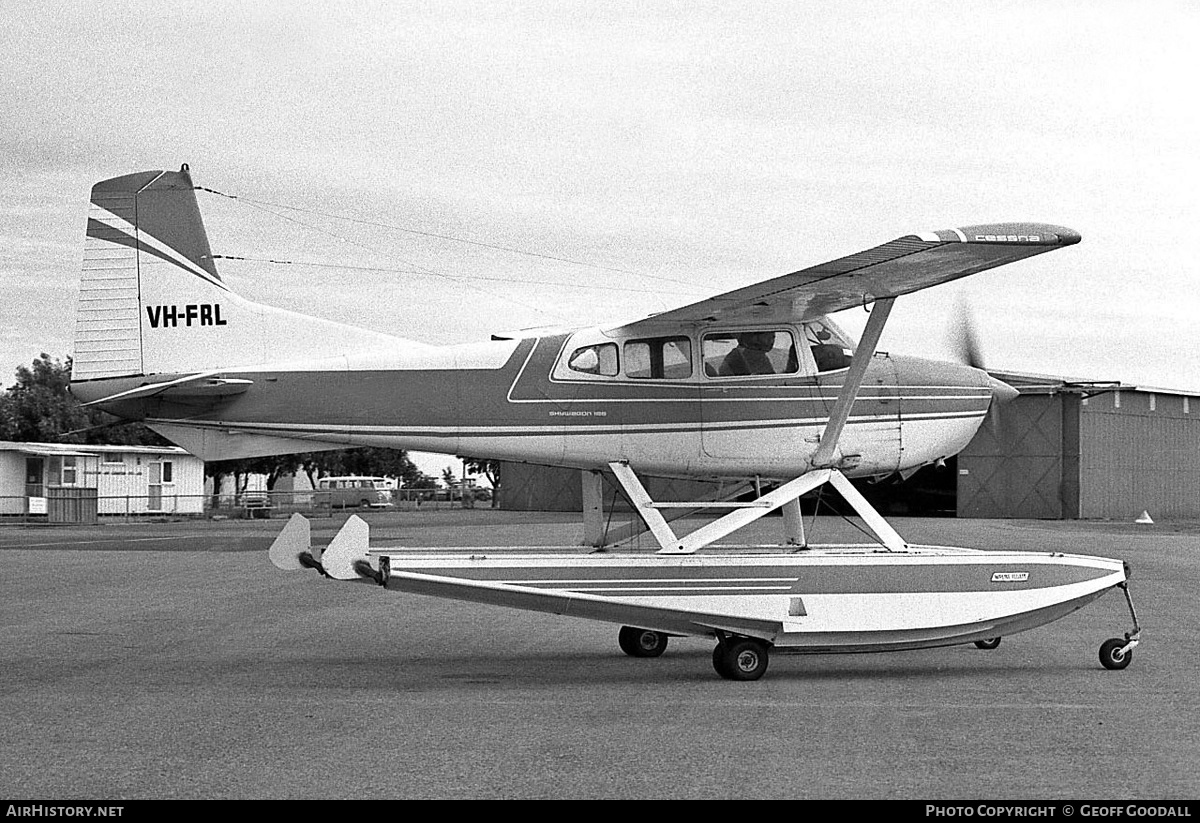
{"type": "Point", "coordinates": [172, 660]}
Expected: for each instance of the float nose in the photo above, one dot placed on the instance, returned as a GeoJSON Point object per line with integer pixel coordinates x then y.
{"type": "Point", "coordinates": [1001, 391]}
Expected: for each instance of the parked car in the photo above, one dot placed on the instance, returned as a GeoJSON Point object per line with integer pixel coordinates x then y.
{"type": "Point", "coordinates": [343, 492]}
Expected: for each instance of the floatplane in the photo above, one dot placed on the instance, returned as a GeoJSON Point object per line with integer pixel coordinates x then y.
{"type": "Point", "coordinates": [754, 383]}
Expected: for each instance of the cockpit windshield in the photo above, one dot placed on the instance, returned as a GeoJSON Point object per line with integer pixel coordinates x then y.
{"type": "Point", "coordinates": [831, 348]}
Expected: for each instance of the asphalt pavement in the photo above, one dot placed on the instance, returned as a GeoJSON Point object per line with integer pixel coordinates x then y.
{"type": "Point", "coordinates": [172, 660]}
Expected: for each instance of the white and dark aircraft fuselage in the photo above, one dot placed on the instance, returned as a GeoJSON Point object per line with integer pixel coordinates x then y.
{"type": "Point", "coordinates": [517, 400]}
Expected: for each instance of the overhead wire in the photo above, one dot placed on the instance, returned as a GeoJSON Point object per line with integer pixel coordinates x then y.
{"type": "Point", "coordinates": [462, 281]}
{"type": "Point", "coordinates": [271, 207]}
{"type": "Point", "coordinates": [415, 270]}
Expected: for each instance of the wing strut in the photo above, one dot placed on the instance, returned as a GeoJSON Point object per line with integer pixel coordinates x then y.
{"type": "Point", "coordinates": [824, 470]}
{"type": "Point", "coordinates": [823, 458]}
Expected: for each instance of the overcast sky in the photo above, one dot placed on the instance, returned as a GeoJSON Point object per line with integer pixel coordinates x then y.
{"type": "Point", "coordinates": [676, 149]}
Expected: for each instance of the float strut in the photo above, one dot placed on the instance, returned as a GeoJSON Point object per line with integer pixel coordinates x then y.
{"type": "Point", "coordinates": [1134, 637]}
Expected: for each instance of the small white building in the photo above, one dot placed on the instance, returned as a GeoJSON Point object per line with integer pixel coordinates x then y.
{"type": "Point", "coordinates": [121, 479]}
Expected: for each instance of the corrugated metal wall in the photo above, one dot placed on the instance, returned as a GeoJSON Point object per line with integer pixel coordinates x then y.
{"type": "Point", "coordinates": [526, 487]}
{"type": "Point", "coordinates": [1014, 466]}
{"type": "Point", "coordinates": [1111, 455]}
{"type": "Point", "coordinates": [1140, 451]}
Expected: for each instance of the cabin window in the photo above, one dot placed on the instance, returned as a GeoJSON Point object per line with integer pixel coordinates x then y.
{"type": "Point", "coordinates": [830, 348]}
{"type": "Point", "coordinates": [662, 358]}
{"type": "Point", "coordinates": [749, 352]}
{"type": "Point", "coordinates": [599, 359]}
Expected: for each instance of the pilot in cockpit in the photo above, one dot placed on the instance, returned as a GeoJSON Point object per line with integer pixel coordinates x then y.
{"type": "Point", "coordinates": [750, 356]}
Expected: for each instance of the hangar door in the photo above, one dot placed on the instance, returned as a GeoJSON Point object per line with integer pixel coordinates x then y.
{"type": "Point", "coordinates": [1024, 461]}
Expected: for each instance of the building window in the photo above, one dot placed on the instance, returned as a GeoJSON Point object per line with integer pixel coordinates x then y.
{"type": "Point", "coordinates": [34, 477]}
{"type": "Point", "coordinates": [62, 471]}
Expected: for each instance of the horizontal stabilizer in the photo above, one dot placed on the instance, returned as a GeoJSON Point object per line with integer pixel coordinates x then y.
{"type": "Point", "coordinates": [218, 442]}
{"type": "Point", "coordinates": [197, 387]}
{"type": "Point", "coordinates": [211, 387]}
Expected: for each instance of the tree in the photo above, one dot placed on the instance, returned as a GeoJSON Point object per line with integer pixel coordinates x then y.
{"type": "Point", "coordinates": [274, 467]}
{"type": "Point", "coordinates": [369, 461]}
{"type": "Point", "coordinates": [38, 408]}
{"type": "Point", "coordinates": [489, 469]}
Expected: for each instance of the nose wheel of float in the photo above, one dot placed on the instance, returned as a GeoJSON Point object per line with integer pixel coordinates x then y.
{"type": "Point", "coordinates": [1117, 653]}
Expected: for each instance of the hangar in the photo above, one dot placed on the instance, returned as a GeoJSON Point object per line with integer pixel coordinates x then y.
{"type": "Point", "coordinates": [1072, 449]}
{"type": "Point", "coordinates": [1062, 449]}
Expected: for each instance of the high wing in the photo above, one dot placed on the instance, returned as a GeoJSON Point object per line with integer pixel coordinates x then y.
{"type": "Point", "coordinates": [904, 265]}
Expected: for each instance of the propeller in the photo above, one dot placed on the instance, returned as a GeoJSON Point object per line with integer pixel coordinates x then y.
{"type": "Point", "coordinates": [964, 341]}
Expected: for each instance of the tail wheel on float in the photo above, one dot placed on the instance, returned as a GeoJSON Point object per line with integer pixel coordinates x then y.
{"type": "Point", "coordinates": [742, 658]}
{"type": "Point", "coordinates": [641, 642]}
{"type": "Point", "coordinates": [990, 643]}
{"type": "Point", "coordinates": [1114, 655]}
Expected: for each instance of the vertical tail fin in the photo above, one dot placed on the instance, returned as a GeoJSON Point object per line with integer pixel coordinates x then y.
{"type": "Point", "coordinates": [136, 223]}
{"type": "Point", "coordinates": [151, 301]}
